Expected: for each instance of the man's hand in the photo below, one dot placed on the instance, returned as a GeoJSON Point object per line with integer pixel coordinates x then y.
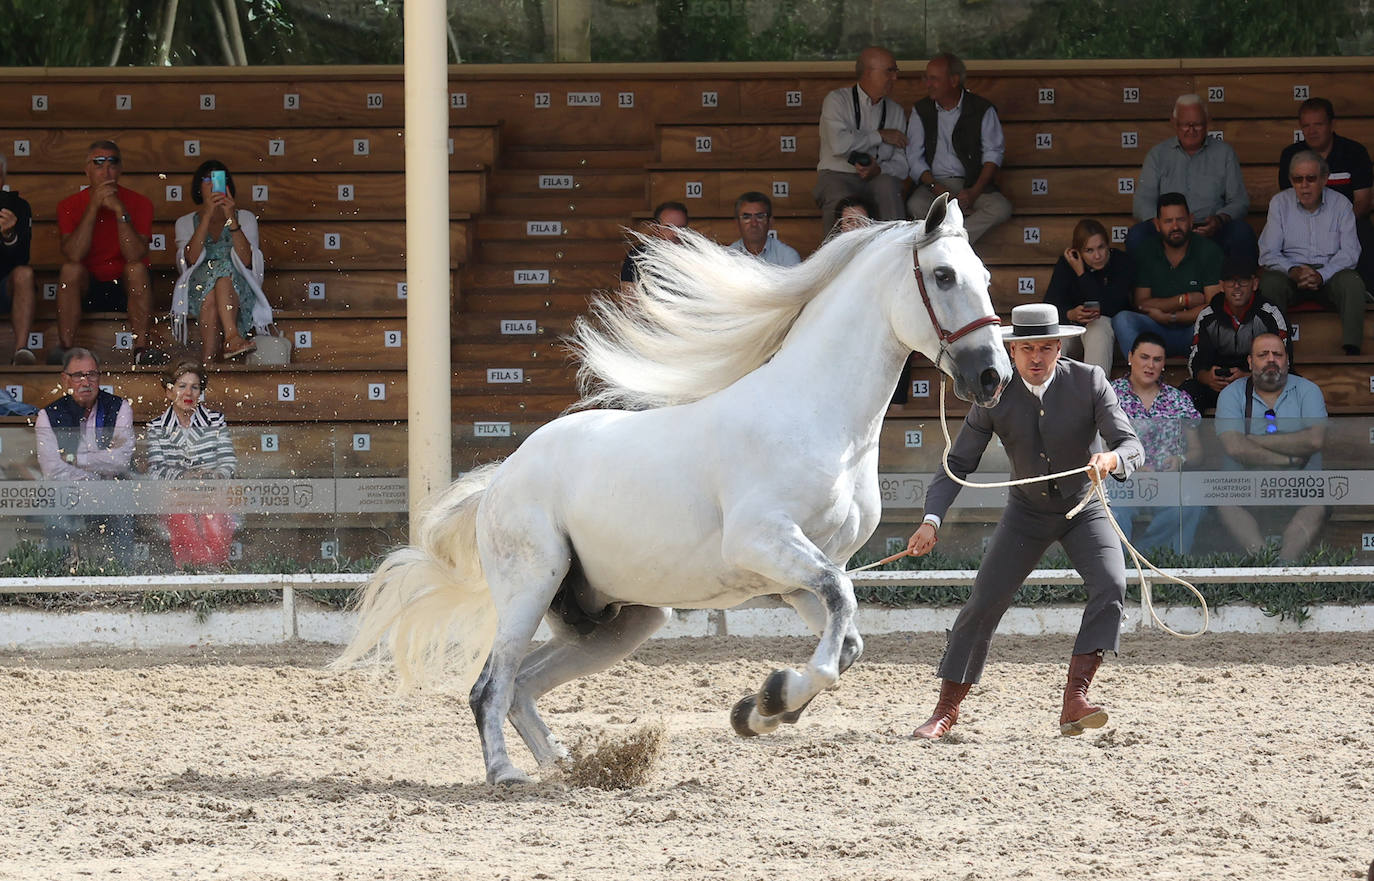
{"type": "Point", "coordinates": [922, 540]}
{"type": "Point", "coordinates": [869, 171]}
{"type": "Point", "coordinates": [1159, 315]}
{"type": "Point", "coordinates": [1102, 464]}
{"type": "Point", "coordinates": [895, 137]}
{"type": "Point", "coordinates": [1208, 227]}
{"type": "Point", "coordinates": [1306, 277]}
{"type": "Point", "coordinates": [106, 195]}
{"type": "Point", "coordinates": [1214, 380]}
{"type": "Point", "coordinates": [7, 222]}
{"type": "Point", "coordinates": [966, 199]}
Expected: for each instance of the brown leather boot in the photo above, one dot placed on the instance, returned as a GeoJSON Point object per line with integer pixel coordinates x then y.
{"type": "Point", "coordinates": [1077, 713]}
{"type": "Point", "coordinates": [946, 710]}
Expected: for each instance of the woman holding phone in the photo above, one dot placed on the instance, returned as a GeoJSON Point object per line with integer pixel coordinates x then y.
{"type": "Point", "coordinates": [1090, 284]}
{"type": "Point", "coordinates": [221, 268]}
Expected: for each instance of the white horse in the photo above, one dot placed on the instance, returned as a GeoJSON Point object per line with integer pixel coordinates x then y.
{"type": "Point", "coordinates": [744, 463]}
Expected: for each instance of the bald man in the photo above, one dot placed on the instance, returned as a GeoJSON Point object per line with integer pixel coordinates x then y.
{"type": "Point", "coordinates": [863, 141]}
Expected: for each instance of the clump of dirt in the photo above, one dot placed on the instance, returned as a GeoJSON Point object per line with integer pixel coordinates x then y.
{"type": "Point", "coordinates": [610, 761]}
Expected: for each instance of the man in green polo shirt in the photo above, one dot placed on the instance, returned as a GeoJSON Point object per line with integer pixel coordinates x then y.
{"type": "Point", "coordinates": [1177, 274]}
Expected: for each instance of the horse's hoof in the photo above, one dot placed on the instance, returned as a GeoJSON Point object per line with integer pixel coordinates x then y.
{"type": "Point", "coordinates": [508, 776]}
{"type": "Point", "coordinates": [739, 716]}
{"type": "Point", "coordinates": [747, 721]}
{"type": "Point", "coordinates": [772, 697]}
{"type": "Point", "coordinates": [791, 716]}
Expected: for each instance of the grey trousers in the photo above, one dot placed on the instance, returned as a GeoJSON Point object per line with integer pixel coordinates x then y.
{"type": "Point", "coordinates": [1021, 538]}
{"type": "Point", "coordinates": [884, 191]}
{"type": "Point", "coordinates": [989, 209]}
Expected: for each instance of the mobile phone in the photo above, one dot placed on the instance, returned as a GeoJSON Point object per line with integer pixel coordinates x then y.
{"type": "Point", "coordinates": [217, 181]}
{"type": "Point", "coordinates": [1092, 305]}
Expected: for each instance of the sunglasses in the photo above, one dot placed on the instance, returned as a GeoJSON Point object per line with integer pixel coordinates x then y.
{"type": "Point", "coordinates": [104, 160]}
{"type": "Point", "coordinates": [1271, 422]}
{"type": "Point", "coordinates": [1305, 178]}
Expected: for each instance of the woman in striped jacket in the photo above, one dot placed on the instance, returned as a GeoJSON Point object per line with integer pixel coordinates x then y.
{"type": "Point", "coordinates": [189, 441]}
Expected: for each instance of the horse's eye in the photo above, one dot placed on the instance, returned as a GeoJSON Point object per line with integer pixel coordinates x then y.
{"type": "Point", "coordinates": [945, 276]}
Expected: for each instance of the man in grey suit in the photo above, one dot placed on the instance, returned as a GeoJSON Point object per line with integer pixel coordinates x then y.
{"type": "Point", "coordinates": [1048, 423]}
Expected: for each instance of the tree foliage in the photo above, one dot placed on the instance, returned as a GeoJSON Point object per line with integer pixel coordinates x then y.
{"type": "Point", "coordinates": [75, 33]}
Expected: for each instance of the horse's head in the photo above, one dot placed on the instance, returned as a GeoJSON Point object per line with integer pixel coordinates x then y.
{"type": "Point", "coordinates": [946, 313]}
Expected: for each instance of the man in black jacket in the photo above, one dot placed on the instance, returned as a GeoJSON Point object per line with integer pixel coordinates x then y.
{"type": "Point", "coordinates": [1226, 327]}
{"type": "Point", "coordinates": [16, 276]}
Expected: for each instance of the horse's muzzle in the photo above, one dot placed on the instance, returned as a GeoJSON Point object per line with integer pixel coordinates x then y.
{"type": "Point", "coordinates": [981, 373]}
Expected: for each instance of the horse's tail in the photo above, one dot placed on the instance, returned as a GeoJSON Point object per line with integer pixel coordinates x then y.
{"type": "Point", "coordinates": [427, 608]}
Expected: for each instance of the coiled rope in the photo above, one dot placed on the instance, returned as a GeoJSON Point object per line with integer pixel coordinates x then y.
{"type": "Point", "coordinates": [1146, 599]}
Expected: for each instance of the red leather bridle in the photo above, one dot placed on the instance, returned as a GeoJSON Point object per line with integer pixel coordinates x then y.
{"type": "Point", "coordinates": [947, 338]}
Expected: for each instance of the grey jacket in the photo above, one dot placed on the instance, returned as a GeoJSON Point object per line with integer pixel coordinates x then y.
{"type": "Point", "coordinates": [1079, 404]}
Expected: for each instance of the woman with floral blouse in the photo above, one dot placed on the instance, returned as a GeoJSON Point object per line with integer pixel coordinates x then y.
{"type": "Point", "coordinates": [1165, 420]}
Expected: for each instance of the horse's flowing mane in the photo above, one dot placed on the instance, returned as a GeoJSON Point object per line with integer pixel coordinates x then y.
{"type": "Point", "coordinates": [701, 316]}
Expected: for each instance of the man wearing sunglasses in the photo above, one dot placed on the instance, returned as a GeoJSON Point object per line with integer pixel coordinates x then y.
{"type": "Point", "coordinates": [1309, 248]}
{"type": "Point", "coordinates": [105, 233]}
{"type": "Point", "coordinates": [1273, 421]}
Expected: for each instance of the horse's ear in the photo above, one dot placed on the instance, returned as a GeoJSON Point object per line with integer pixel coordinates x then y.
{"type": "Point", "coordinates": [937, 213]}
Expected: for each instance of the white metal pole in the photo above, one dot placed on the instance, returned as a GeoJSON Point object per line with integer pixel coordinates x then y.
{"type": "Point", "coordinates": [427, 251]}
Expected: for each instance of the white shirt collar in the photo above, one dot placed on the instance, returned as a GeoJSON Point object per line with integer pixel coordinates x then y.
{"type": "Point", "coordinates": [1038, 390]}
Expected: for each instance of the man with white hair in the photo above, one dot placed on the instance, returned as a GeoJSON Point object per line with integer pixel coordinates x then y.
{"type": "Point", "coordinates": [1203, 169]}
{"type": "Point", "coordinates": [1309, 248]}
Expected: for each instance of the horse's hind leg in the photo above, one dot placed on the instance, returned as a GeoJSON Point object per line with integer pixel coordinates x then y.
{"type": "Point", "coordinates": [519, 611]}
{"type": "Point", "coordinates": [568, 656]}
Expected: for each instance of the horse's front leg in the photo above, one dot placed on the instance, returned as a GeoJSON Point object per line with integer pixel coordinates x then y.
{"type": "Point", "coordinates": [779, 551]}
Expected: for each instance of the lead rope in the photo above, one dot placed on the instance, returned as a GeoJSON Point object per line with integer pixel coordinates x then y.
{"type": "Point", "coordinates": [1146, 600]}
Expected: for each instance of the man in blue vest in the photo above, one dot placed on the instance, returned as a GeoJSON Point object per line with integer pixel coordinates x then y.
{"type": "Point", "coordinates": [87, 434]}
{"type": "Point", "coordinates": [954, 144]}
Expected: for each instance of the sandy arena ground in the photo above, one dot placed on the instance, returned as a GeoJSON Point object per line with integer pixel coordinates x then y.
{"type": "Point", "coordinates": [1227, 757]}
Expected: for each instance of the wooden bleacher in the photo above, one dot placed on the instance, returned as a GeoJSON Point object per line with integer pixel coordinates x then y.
{"type": "Point", "coordinates": [549, 162]}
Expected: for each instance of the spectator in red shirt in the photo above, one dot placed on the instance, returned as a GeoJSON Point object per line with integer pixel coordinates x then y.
{"type": "Point", "coordinates": [105, 233]}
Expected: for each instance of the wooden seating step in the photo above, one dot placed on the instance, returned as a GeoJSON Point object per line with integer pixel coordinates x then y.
{"type": "Point", "coordinates": [553, 159]}
{"type": "Point", "coordinates": [545, 324]}
{"type": "Point", "coordinates": [571, 181]}
{"type": "Point", "coordinates": [489, 229]}
{"type": "Point", "coordinates": [289, 196]}
{"type": "Point", "coordinates": [560, 205]}
{"type": "Point", "coordinates": [482, 351]}
{"type": "Point", "coordinates": [289, 394]}
{"type": "Point", "coordinates": [526, 404]}
{"type": "Point", "coordinates": [320, 292]}
{"type": "Point", "coordinates": [552, 250]}
{"type": "Point", "coordinates": [534, 276]}
{"type": "Point", "coordinates": [507, 302]}
{"type": "Point", "coordinates": [323, 98]}
{"type": "Point", "coordinates": [334, 244]}
{"type": "Point", "coordinates": [176, 152]}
